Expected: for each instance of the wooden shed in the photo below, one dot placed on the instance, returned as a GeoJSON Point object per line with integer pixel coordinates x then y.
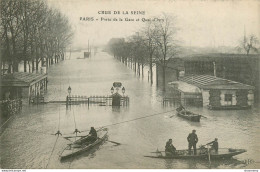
{"type": "Point", "coordinates": [22, 85]}
{"type": "Point", "coordinates": [219, 93]}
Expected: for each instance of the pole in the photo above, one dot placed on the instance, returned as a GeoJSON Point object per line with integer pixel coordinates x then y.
{"type": "Point", "coordinates": [208, 155]}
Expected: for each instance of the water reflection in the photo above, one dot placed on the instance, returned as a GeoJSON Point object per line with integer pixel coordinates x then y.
{"type": "Point", "coordinates": [195, 164]}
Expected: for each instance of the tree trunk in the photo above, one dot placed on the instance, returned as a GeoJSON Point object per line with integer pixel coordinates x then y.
{"type": "Point", "coordinates": [151, 73]}
{"type": "Point", "coordinates": [32, 66]}
{"type": "Point", "coordinates": [163, 68]}
{"type": "Point", "coordinates": [135, 66]}
{"type": "Point", "coordinates": [142, 69]}
{"type": "Point", "coordinates": [9, 68]}
{"type": "Point", "coordinates": [139, 69]}
{"type": "Point", "coordinates": [24, 65]}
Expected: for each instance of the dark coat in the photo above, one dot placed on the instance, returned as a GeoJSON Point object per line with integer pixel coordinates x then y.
{"type": "Point", "coordinates": [192, 138]}
{"type": "Point", "coordinates": [93, 133]}
{"type": "Point", "coordinates": [169, 147]}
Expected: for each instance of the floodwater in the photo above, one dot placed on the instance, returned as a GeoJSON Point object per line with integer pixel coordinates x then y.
{"type": "Point", "coordinates": [28, 140]}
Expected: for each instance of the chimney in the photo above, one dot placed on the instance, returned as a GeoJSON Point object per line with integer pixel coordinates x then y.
{"type": "Point", "coordinates": [214, 65]}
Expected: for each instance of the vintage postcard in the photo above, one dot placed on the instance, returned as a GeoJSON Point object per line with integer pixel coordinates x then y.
{"type": "Point", "coordinates": [142, 84]}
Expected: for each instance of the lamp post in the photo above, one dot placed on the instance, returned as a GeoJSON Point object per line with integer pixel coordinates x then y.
{"type": "Point", "coordinates": [69, 91]}
{"type": "Point", "coordinates": [123, 90]}
{"type": "Point", "coordinates": [112, 90]}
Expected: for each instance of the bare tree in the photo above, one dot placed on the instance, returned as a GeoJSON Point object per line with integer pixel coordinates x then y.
{"type": "Point", "coordinates": [31, 32]}
{"type": "Point", "coordinates": [248, 44]}
{"type": "Point", "coordinates": [165, 37]}
{"type": "Point", "coordinates": [148, 34]}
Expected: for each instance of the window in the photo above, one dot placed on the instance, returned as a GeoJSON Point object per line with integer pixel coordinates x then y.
{"type": "Point", "coordinates": [228, 97]}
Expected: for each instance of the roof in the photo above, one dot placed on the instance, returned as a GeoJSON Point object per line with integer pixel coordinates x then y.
{"type": "Point", "coordinates": [220, 57]}
{"type": "Point", "coordinates": [212, 82]}
{"type": "Point", "coordinates": [184, 87]}
{"type": "Point", "coordinates": [21, 79]}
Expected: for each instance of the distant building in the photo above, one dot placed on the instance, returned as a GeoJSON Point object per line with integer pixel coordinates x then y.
{"type": "Point", "coordinates": [174, 69]}
{"type": "Point", "coordinates": [236, 67]}
{"type": "Point", "coordinates": [22, 85]}
{"type": "Point", "coordinates": [214, 92]}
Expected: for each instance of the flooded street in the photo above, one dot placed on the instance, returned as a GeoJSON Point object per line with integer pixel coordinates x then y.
{"type": "Point", "coordinates": [28, 140]}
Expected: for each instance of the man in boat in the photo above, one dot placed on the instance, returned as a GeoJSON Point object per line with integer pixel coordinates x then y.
{"type": "Point", "coordinates": [180, 108]}
{"type": "Point", "coordinates": [92, 135]}
{"type": "Point", "coordinates": [169, 148]}
{"type": "Point", "coordinates": [193, 140]}
{"type": "Point", "coordinates": [214, 144]}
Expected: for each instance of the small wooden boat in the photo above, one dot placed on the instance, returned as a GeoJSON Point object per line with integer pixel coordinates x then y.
{"type": "Point", "coordinates": [223, 153]}
{"type": "Point", "coordinates": [80, 145]}
{"type": "Point", "coordinates": [189, 115]}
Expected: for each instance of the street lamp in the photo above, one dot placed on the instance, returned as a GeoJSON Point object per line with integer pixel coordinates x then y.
{"type": "Point", "coordinates": [112, 90]}
{"type": "Point", "coordinates": [123, 90]}
{"type": "Point", "coordinates": [69, 90]}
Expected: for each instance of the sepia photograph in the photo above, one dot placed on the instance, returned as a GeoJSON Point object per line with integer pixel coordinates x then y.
{"type": "Point", "coordinates": [141, 84]}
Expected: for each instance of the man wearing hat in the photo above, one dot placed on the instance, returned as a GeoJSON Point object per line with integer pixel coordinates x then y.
{"type": "Point", "coordinates": [192, 139]}
{"type": "Point", "coordinates": [169, 148]}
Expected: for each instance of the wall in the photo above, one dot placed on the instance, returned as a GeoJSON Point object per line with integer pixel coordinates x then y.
{"type": "Point", "coordinates": [214, 98]}
{"type": "Point", "coordinates": [205, 97]}
{"type": "Point", "coordinates": [250, 98]}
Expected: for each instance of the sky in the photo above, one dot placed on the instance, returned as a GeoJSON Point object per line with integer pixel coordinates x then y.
{"type": "Point", "coordinates": [203, 23]}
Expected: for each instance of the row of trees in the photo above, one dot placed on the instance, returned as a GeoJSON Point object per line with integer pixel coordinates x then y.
{"type": "Point", "coordinates": [32, 33]}
{"type": "Point", "coordinates": [153, 44]}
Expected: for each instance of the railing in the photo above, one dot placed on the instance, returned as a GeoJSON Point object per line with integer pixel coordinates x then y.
{"type": "Point", "coordinates": [96, 100]}
{"type": "Point", "coordinates": [173, 101]}
{"type": "Point", "coordinates": [36, 100]}
{"type": "Point", "coordinates": [10, 107]}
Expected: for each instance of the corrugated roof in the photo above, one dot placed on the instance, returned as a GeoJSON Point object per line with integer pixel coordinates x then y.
{"type": "Point", "coordinates": [212, 82]}
{"type": "Point", "coordinates": [219, 56]}
{"type": "Point", "coordinates": [184, 87]}
{"type": "Point", "coordinates": [20, 79]}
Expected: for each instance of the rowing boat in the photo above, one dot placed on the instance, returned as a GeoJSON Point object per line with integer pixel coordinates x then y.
{"type": "Point", "coordinates": [223, 153]}
{"type": "Point", "coordinates": [189, 115]}
{"type": "Point", "coordinates": [79, 146]}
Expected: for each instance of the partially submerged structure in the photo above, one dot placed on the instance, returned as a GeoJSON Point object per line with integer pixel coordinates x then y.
{"type": "Point", "coordinates": [241, 68]}
{"type": "Point", "coordinates": [23, 85]}
{"type": "Point", "coordinates": [214, 92]}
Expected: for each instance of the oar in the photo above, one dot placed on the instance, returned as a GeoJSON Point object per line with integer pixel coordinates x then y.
{"type": "Point", "coordinates": [157, 152]}
{"type": "Point", "coordinates": [114, 142]}
{"type": "Point", "coordinates": [72, 137]}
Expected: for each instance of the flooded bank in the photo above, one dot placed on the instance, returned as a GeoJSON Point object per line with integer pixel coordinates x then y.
{"type": "Point", "coordinates": [28, 140]}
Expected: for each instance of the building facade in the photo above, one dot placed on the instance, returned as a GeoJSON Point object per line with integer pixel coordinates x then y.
{"type": "Point", "coordinates": [219, 93]}
{"type": "Point", "coordinates": [23, 85]}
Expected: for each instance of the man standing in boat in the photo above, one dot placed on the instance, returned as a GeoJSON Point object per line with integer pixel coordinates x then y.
{"type": "Point", "coordinates": [214, 145]}
{"type": "Point", "coordinates": [193, 140]}
{"type": "Point", "coordinates": [169, 148]}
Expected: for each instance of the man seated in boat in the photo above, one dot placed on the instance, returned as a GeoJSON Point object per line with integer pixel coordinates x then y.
{"type": "Point", "coordinates": [214, 145]}
{"type": "Point", "coordinates": [91, 138]}
{"type": "Point", "coordinates": [170, 150]}
{"type": "Point", "coordinates": [181, 108]}
{"type": "Point", "coordinates": [93, 135]}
